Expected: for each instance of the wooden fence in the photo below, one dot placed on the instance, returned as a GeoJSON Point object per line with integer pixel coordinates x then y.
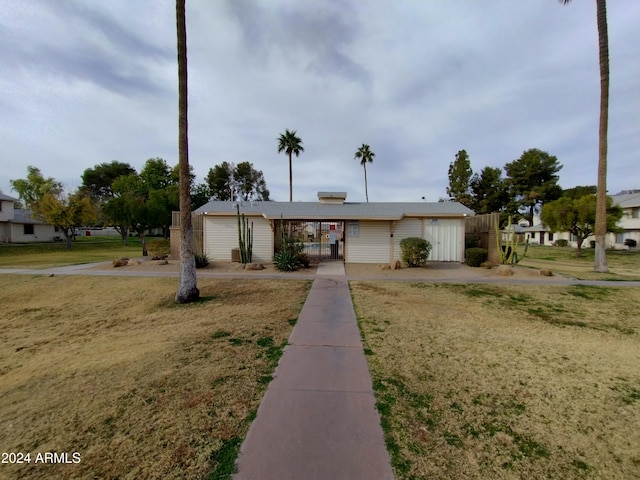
{"type": "Point", "coordinates": [481, 229]}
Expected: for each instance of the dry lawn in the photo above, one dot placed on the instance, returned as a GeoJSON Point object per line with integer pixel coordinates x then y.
{"type": "Point", "coordinates": [141, 387]}
{"type": "Point", "coordinates": [505, 381]}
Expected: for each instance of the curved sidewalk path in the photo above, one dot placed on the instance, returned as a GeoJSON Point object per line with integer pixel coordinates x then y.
{"type": "Point", "coordinates": [317, 420]}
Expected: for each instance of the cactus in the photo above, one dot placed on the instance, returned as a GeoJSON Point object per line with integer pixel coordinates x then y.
{"type": "Point", "coordinates": [508, 249]}
{"type": "Point", "coordinates": [245, 238]}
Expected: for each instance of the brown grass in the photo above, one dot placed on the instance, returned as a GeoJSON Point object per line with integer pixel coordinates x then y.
{"type": "Point", "coordinates": [139, 386]}
{"type": "Point", "coordinates": [505, 381]}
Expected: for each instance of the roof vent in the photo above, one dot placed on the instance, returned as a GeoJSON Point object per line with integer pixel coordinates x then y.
{"type": "Point", "coordinates": [332, 197]}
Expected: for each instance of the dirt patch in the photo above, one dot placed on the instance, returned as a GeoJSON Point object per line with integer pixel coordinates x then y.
{"type": "Point", "coordinates": [147, 265]}
{"type": "Point", "coordinates": [439, 270]}
{"type": "Point", "coordinates": [138, 386]}
{"type": "Point", "coordinates": [505, 381]}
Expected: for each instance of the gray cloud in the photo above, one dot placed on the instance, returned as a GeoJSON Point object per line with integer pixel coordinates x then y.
{"type": "Point", "coordinates": [88, 82]}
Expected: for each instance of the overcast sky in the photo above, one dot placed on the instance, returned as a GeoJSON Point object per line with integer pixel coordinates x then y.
{"type": "Point", "coordinates": [91, 81]}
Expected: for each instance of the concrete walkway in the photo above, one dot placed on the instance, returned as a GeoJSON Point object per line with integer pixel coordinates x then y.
{"type": "Point", "coordinates": [317, 420]}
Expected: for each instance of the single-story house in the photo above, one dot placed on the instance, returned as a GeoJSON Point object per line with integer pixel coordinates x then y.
{"type": "Point", "coordinates": [629, 224]}
{"type": "Point", "coordinates": [18, 225]}
{"type": "Point", "coordinates": [335, 228]}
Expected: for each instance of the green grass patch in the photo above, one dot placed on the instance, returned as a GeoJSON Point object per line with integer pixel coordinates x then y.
{"type": "Point", "coordinates": [55, 254]}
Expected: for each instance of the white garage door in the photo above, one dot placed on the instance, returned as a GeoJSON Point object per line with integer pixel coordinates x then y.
{"type": "Point", "coordinates": [446, 239]}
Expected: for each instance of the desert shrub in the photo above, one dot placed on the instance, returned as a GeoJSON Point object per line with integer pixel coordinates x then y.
{"type": "Point", "coordinates": [201, 260]}
{"type": "Point", "coordinates": [474, 257]}
{"type": "Point", "coordinates": [471, 241]}
{"type": "Point", "coordinates": [562, 242]}
{"type": "Point", "coordinates": [286, 261]}
{"type": "Point", "coordinates": [415, 251]}
{"type": "Point", "coordinates": [630, 242]}
{"type": "Point", "coordinates": [158, 248]}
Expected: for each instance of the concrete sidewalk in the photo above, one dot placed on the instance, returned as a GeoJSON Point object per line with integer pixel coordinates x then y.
{"type": "Point", "coordinates": [317, 420]}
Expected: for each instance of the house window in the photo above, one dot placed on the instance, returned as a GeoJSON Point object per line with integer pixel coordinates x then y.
{"type": "Point", "coordinates": [620, 237]}
{"type": "Point", "coordinates": [550, 237]}
{"type": "Point", "coordinates": [28, 228]}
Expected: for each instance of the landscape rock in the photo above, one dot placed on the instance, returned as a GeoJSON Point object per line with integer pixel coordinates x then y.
{"type": "Point", "coordinates": [546, 272]}
{"type": "Point", "coordinates": [163, 262]}
{"type": "Point", "coordinates": [395, 265]}
{"type": "Point", "coordinates": [254, 266]}
{"type": "Point", "coordinates": [504, 270]}
{"type": "Point", "coordinates": [382, 266]}
{"type": "Point", "coordinates": [133, 261]}
{"type": "Point", "coordinates": [121, 262]}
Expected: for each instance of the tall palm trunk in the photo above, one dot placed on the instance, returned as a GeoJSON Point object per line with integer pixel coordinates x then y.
{"type": "Point", "coordinates": [600, 260]}
{"type": "Point", "coordinates": [366, 188]}
{"type": "Point", "coordinates": [187, 289]}
{"type": "Point", "coordinates": [290, 180]}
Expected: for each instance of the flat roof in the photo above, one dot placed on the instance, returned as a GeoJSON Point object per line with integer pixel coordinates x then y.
{"type": "Point", "coordinates": [344, 211]}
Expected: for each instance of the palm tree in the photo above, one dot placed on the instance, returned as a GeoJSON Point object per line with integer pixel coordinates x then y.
{"type": "Point", "coordinates": [365, 155]}
{"type": "Point", "coordinates": [187, 289]}
{"type": "Point", "coordinates": [289, 143]}
{"type": "Point", "coordinates": [600, 230]}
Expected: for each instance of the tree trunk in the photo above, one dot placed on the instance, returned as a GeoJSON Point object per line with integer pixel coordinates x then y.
{"type": "Point", "coordinates": [143, 243]}
{"type": "Point", "coordinates": [68, 236]}
{"type": "Point", "coordinates": [600, 258]}
{"type": "Point", "coordinates": [290, 180]}
{"type": "Point", "coordinates": [366, 188]}
{"type": "Point", "coordinates": [187, 288]}
{"type": "Point", "coordinates": [579, 250]}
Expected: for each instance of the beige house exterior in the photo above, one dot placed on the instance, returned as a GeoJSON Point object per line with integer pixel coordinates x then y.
{"type": "Point", "coordinates": [629, 225]}
{"type": "Point", "coordinates": [18, 225]}
{"type": "Point", "coordinates": [335, 228]}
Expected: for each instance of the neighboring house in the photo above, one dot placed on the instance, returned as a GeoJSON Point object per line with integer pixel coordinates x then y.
{"type": "Point", "coordinates": [363, 232]}
{"type": "Point", "coordinates": [539, 234]}
{"type": "Point", "coordinates": [18, 225]}
{"type": "Point", "coordinates": [630, 221]}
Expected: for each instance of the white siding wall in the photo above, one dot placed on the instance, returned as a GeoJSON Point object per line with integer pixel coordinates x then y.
{"type": "Point", "coordinates": [221, 235]}
{"type": "Point", "coordinates": [41, 233]}
{"type": "Point", "coordinates": [407, 227]}
{"type": "Point", "coordinates": [6, 211]}
{"type": "Point", "coordinates": [446, 238]}
{"type": "Point", "coordinates": [372, 245]}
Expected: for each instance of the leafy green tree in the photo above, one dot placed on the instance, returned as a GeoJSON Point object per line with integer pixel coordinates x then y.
{"type": "Point", "coordinates": [249, 182]}
{"type": "Point", "coordinates": [533, 180]}
{"type": "Point", "coordinates": [577, 215]}
{"type": "Point", "coordinates": [200, 195]}
{"type": "Point", "coordinates": [489, 191]}
{"type": "Point", "coordinates": [365, 155]}
{"type": "Point", "coordinates": [157, 174]}
{"type": "Point", "coordinates": [161, 192]}
{"type": "Point", "coordinates": [230, 182]}
{"type": "Point", "coordinates": [129, 208]}
{"type": "Point", "coordinates": [66, 212]}
{"type": "Point", "coordinates": [460, 172]}
{"type": "Point", "coordinates": [600, 258]}
{"type": "Point", "coordinates": [289, 143]}
{"type": "Point", "coordinates": [220, 182]}
{"type": "Point", "coordinates": [97, 181]}
{"type": "Point", "coordinates": [188, 285]}
{"type": "Point", "coordinates": [579, 191]}
{"type": "Point", "coordinates": [33, 188]}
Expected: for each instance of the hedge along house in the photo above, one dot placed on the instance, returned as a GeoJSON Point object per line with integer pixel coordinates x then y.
{"type": "Point", "coordinates": [334, 228]}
